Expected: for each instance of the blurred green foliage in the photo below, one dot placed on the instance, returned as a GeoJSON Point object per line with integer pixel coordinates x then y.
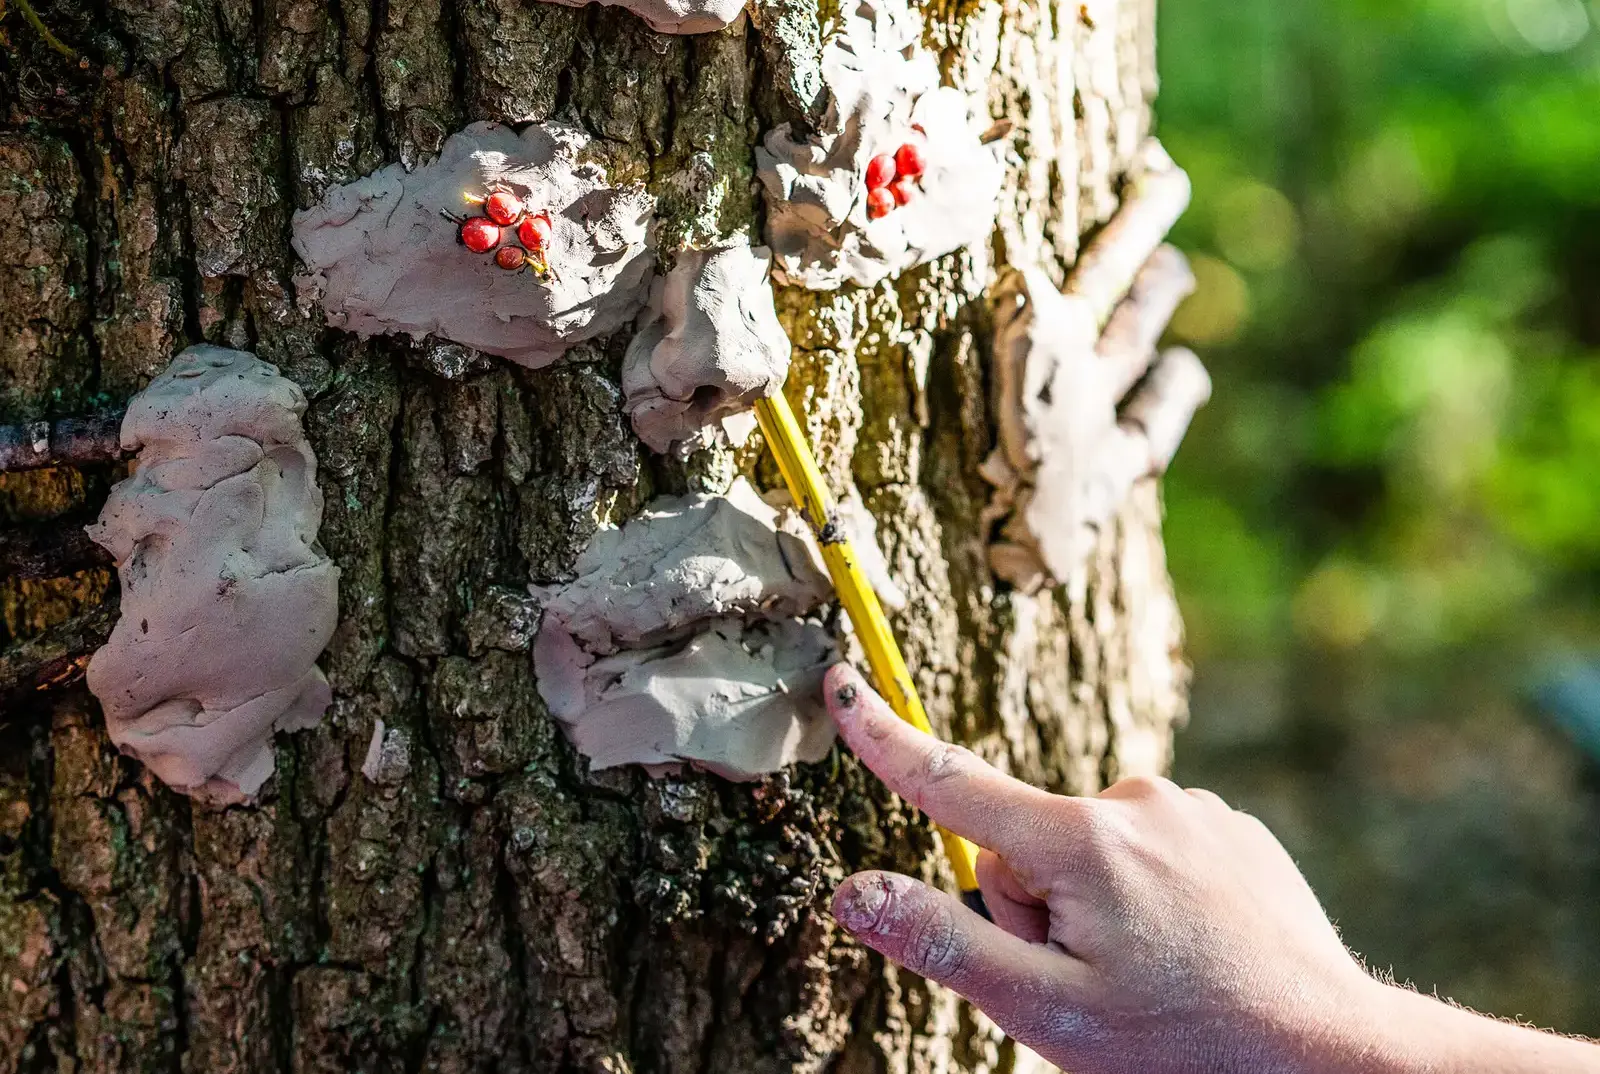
{"type": "Point", "coordinates": [1397, 235]}
{"type": "Point", "coordinates": [1385, 527]}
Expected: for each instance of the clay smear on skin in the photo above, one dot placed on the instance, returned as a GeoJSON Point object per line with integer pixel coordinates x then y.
{"type": "Point", "coordinates": [707, 347]}
{"type": "Point", "coordinates": [884, 93]}
{"type": "Point", "coordinates": [382, 259]}
{"type": "Point", "coordinates": [227, 599]}
{"type": "Point", "coordinates": [682, 640]}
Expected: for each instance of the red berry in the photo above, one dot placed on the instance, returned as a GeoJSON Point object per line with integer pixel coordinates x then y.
{"type": "Point", "coordinates": [880, 171]}
{"type": "Point", "coordinates": [879, 203]}
{"type": "Point", "coordinates": [503, 207]}
{"type": "Point", "coordinates": [910, 161]}
{"type": "Point", "coordinates": [903, 190]}
{"type": "Point", "coordinates": [535, 231]}
{"type": "Point", "coordinates": [510, 258]}
{"type": "Point", "coordinates": [479, 234]}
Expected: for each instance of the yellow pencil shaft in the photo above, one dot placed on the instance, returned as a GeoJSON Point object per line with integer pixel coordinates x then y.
{"type": "Point", "coordinates": [800, 472]}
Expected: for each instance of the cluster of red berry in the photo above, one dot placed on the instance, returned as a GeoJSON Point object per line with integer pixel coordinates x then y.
{"type": "Point", "coordinates": [892, 179]}
{"type": "Point", "coordinates": [503, 209]}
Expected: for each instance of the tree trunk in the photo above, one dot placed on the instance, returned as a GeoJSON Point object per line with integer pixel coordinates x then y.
{"type": "Point", "coordinates": [489, 905]}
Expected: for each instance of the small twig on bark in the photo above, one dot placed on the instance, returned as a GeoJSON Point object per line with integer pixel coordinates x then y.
{"type": "Point", "coordinates": [54, 549]}
{"type": "Point", "coordinates": [57, 657]}
{"type": "Point", "coordinates": [31, 17]}
{"type": "Point", "coordinates": [67, 442]}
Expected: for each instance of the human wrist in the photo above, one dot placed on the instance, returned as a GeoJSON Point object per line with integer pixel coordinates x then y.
{"type": "Point", "coordinates": [1395, 1030]}
{"type": "Point", "coordinates": [1364, 1026]}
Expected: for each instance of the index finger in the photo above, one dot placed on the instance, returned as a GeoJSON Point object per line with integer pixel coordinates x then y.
{"type": "Point", "coordinates": [951, 784]}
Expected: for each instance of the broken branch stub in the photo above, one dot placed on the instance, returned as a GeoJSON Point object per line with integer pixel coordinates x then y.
{"type": "Point", "coordinates": [54, 658]}
{"type": "Point", "coordinates": [382, 258]}
{"type": "Point", "coordinates": [681, 641]}
{"type": "Point", "coordinates": [674, 16]}
{"type": "Point", "coordinates": [708, 345]}
{"type": "Point", "coordinates": [227, 599]}
{"type": "Point", "coordinates": [836, 211]}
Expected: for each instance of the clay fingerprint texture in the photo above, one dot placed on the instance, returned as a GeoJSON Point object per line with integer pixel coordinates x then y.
{"type": "Point", "coordinates": [708, 345]}
{"type": "Point", "coordinates": [227, 599]}
{"type": "Point", "coordinates": [675, 16]}
{"type": "Point", "coordinates": [381, 258]}
{"type": "Point", "coordinates": [683, 640]}
{"type": "Point", "coordinates": [884, 92]}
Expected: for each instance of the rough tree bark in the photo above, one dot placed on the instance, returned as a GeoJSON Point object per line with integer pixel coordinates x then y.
{"type": "Point", "coordinates": [488, 906]}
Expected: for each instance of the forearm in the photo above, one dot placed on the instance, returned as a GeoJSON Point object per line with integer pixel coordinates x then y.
{"type": "Point", "coordinates": [1406, 1033]}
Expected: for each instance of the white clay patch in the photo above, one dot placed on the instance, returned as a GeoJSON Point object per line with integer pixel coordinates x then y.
{"type": "Point", "coordinates": [382, 258]}
{"type": "Point", "coordinates": [896, 173]}
{"type": "Point", "coordinates": [680, 641]}
{"type": "Point", "coordinates": [675, 16]}
{"type": "Point", "coordinates": [227, 599]}
{"type": "Point", "coordinates": [708, 346]}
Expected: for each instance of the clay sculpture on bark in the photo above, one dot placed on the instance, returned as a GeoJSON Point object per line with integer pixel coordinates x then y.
{"type": "Point", "coordinates": [1085, 412]}
{"type": "Point", "coordinates": [675, 16]}
{"type": "Point", "coordinates": [682, 640]}
{"type": "Point", "coordinates": [227, 599]}
{"type": "Point", "coordinates": [388, 253]}
{"type": "Point", "coordinates": [708, 345]}
{"type": "Point", "coordinates": [895, 173]}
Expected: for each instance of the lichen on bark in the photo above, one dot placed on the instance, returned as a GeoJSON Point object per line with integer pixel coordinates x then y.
{"type": "Point", "coordinates": [488, 904]}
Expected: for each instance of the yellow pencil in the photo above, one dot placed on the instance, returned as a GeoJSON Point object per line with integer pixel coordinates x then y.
{"type": "Point", "coordinates": [800, 472]}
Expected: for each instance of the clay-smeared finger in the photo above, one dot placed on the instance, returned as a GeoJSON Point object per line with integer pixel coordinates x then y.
{"type": "Point", "coordinates": [1026, 988]}
{"type": "Point", "coordinates": [949, 783]}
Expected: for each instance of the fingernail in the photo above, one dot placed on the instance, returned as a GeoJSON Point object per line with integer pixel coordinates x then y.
{"type": "Point", "coordinates": [861, 902]}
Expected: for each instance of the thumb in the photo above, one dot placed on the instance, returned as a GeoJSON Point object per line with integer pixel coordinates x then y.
{"type": "Point", "coordinates": [1030, 990]}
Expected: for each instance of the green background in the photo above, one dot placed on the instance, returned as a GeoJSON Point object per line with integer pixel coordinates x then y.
{"type": "Point", "coordinates": [1385, 528]}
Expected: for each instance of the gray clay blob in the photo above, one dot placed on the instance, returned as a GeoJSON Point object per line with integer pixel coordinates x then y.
{"type": "Point", "coordinates": [675, 16]}
{"type": "Point", "coordinates": [884, 91]}
{"type": "Point", "coordinates": [708, 345]}
{"type": "Point", "coordinates": [382, 259]}
{"type": "Point", "coordinates": [227, 599]}
{"type": "Point", "coordinates": [682, 641]}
